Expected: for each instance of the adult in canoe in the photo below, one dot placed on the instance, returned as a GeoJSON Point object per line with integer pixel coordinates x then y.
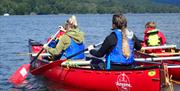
{"type": "Point", "coordinates": [70, 43]}
{"type": "Point", "coordinates": [119, 46]}
{"type": "Point", "coordinates": [153, 37]}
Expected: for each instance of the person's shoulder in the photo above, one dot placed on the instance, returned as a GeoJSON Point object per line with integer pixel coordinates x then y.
{"type": "Point", "coordinates": [159, 31]}
{"type": "Point", "coordinates": [111, 35]}
{"type": "Point", "coordinates": [76, 29]}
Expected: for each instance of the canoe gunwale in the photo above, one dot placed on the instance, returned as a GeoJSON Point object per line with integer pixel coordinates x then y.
{"type": "Point", "coordinates": [89, 69]}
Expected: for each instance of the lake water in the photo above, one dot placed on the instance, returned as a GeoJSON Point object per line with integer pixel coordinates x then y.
{"type": "Point", "coordinates": [16, 30]}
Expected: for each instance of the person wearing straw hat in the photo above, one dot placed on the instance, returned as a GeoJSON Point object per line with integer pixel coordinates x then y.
{"type": "Point", "coordinates": [70, 43]}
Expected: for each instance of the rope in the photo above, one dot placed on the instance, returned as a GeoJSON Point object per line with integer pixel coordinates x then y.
{"type": "Point", "coordinates": [175, 81]}
{"type": "Point", "coordinates": [69, 64]}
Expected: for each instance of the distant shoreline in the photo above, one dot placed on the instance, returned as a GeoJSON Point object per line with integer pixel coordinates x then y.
{"type": "Point", "coordinates": [87, 14]}
{"type": "Point", "coordinates": [46, 7]}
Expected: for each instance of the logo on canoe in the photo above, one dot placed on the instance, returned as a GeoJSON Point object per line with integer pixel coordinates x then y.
{"type": "Point", "coordinates": [123, 83]}
{"type": "Point", "coordinates": [152, 73]}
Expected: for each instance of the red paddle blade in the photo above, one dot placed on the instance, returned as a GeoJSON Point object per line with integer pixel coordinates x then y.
{"type": "Point", "coordinates": [20, 74]}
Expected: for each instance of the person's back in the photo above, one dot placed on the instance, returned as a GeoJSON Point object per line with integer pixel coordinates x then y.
{"type": "Point", "coordinates": [153, 36]}
{"type": "Point", "coordinates": [75, 37]}
{"type": "Point", "coordinates": [69, 43]}
{"type": "Point", "coordinates": [122, 53]}
{"type": "Point", "coordinates": [118, 47]}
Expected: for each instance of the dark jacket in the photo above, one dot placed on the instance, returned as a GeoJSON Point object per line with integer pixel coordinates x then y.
{"type": "Point", "coordinates": [109, 43]}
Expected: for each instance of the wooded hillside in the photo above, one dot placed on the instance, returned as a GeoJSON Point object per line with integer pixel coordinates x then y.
{"type": "Point", "coordinates": [21, 7]}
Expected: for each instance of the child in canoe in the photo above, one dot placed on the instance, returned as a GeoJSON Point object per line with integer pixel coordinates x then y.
{"type": "Point", "coordinates": [153, 37]}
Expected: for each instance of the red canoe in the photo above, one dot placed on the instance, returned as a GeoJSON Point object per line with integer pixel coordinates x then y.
{"type": "Point", "coordinates": [144, 76]}
{"type": "Point", "coordinates": [169, 55]}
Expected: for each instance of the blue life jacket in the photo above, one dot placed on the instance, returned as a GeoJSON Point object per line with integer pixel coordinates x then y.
{"type": "Point", "coordinates": [116, 55]}
{"type": "Point", "coordinates": [72, 49]}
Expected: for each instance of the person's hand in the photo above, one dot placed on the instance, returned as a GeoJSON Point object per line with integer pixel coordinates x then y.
{"type": "Point", "coordinates": [90, 47]}
{"type": "Point", "coordinates": [45, 46]}
{"type": "Point", "coordinates": [61, 28]}
{"type": "Point", "coordinates": [142, 50]}
{"type": "Point", "coordinates": [53, 43]}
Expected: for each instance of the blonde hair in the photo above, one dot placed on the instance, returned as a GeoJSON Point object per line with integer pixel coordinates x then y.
{"type": "Point", "coordinates": [72, 20]}
{"type": "Point", "coordinates": [120, 22]}
{"type": "Point", "coordinates": [71, 23]}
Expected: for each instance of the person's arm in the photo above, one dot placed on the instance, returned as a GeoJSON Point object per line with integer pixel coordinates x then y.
{"type": "Point", "coordinates": [108, 44]}
{"type": "Point", "coordinates": [162, 38]}
{"type": "Point", "coordinates": [63, 43]}
{"type": "Point", "coordinates": [137, 43]}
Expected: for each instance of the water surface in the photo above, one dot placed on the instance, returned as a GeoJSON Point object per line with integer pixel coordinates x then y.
{"type": "Point", "coordinates": [16, 30]}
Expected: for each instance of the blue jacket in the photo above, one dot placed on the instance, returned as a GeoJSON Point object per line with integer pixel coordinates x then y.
{"type": "Point", "coordinates": [116, 55]}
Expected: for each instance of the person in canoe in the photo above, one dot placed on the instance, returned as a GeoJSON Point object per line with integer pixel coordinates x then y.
{"type": "Point", "coordinates": [118, 47]}
{"type": "Point", "coordinates": [69, 43]}
{"type": "Point", "coordinates": [153, 37]}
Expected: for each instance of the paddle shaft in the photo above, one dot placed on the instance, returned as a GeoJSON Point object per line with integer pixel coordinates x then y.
{"type": "Point", "coordinates": [158, 58]}
{"type": "Point", "coordinates": [34, 54]}
{"type": "Point", "coordinates": [96, 45]}
{"type": "Point", "coordinates": [164, 54]}
{"type": "Point", "coordinates": [35, 58]}
{"type": "Point", "coordinates": [158, 47]}
{"type": "Point", "coordinates": [176, 66]}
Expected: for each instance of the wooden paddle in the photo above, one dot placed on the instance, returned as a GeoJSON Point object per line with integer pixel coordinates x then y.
{"type": "Point", "coordinates": [21, 73]}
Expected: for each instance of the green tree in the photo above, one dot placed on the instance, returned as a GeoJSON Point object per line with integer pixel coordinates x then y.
{"type": "Point", "coordinates": [22, 7]}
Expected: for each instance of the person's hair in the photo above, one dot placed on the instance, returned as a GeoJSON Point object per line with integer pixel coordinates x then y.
{"type": "Point", "coordinates": [72, 20]}
{"type": "Point", "coordinates": [71, 23]}
{"type": "Point", "coordinates": [150, 24]}
{"type": "Point", "coordinates": [120, 22]}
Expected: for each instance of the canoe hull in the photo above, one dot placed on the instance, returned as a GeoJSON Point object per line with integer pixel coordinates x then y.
{"type": "Point", "coordinates": [175, 72]}
{"type": "Point", "coordinates": [133, 79]}
{"type": "Point", "coordinates": [106, 80]}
